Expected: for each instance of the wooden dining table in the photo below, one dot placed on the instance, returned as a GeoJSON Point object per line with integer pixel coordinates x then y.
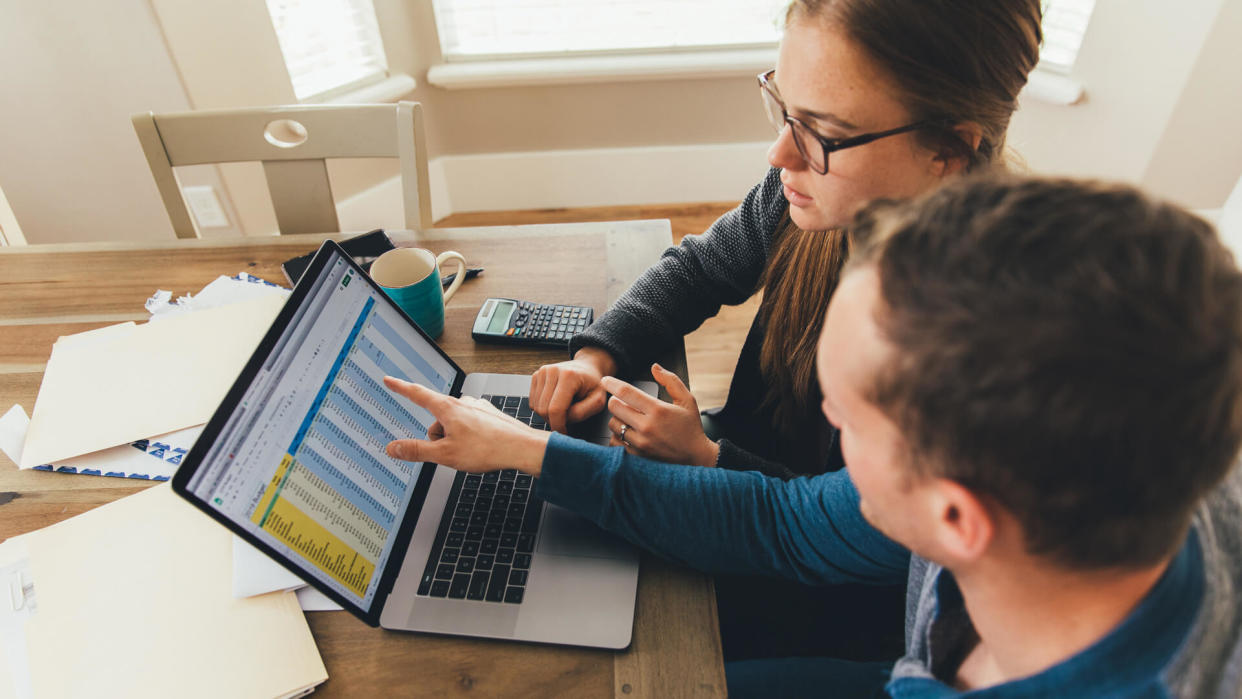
{"type": "Point", "coordinates": [53, 290]}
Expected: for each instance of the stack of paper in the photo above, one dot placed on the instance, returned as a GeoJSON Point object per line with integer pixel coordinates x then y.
{"type": "Point", "coordinates": [129, 382]}
{"type": "Point", "coordinates": [129, 400]}
{"type": "Point", "coordinates": [254, 573]}
{"type": "Point", "coordinates": [135, 599]}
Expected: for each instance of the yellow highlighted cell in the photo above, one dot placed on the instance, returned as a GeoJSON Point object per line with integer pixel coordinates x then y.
{"type": "Point", "coordinates": [319, 546]}
{"type": "Point", "coordinates": [272, 491]}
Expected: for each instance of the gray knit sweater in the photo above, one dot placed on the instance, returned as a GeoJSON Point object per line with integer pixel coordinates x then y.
{"type": "Point", "coordinates": [1214, 667]}
{"type": "Point", "coordinates": [689, 284]}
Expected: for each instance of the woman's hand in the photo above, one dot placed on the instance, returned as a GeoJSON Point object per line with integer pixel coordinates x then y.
{"type": "Point", "coordinates": [649, 427]}
{"type": "Point", "coordinates": [570, 391]}
{"type": "Point", "coordinates": [469, 434]}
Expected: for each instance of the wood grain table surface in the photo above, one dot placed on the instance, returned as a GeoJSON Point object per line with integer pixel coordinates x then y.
{"type": "Point", "coordinates": [53, 290]}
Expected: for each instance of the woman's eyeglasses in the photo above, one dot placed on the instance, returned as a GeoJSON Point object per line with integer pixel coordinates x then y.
{"type": "Point", "coordinates": [814, 148]}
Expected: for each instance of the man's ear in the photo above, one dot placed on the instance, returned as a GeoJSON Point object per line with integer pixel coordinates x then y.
{"type": "Point", "coordinates": [952, 162]}
{"type": "Point", "coordinates": [964, 526]}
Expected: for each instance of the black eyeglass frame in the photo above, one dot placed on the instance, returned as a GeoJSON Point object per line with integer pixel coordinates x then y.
{"type": "Point", "coordinates": [830, 145]}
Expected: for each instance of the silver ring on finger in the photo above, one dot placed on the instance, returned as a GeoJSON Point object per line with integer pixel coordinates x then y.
{"type": "Point", "coordinates": [624, 429]}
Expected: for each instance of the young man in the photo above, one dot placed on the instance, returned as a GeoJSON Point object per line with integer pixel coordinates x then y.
{"type": "Point", "coordinates": [1039, 391]}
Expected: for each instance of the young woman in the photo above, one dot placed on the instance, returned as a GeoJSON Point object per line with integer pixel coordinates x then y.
{"type": "Point", "coordinates": [872, 99]}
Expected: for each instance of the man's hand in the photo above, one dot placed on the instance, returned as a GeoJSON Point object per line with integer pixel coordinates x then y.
{"type": "Point", "coordinates": [469, 434]}
{"type": "Point", "coordinates": [570, 391]}
{"type": "Point", "coordinates": [670, 432]}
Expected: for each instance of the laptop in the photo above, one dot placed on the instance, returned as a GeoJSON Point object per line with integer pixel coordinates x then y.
{"type": "Point", "coordinates": [293, 462]}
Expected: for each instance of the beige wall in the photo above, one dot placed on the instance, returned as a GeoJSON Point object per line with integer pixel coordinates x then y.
{"type": "Point", "coordinates": [227, 56]}
{"type": "Point", "coordinates": [1137, 59]}
{"type": "Point", "coordinates": [1199, 156]}
{"type": "Point", "coordinates": [71, 73]}
{"type": "Point", "coordinates": [1161, 81]}
{"type": "Point", "coordinates": [499, 120]}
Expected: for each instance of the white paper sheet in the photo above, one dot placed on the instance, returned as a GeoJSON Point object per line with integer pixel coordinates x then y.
{"type": "Point", "coordinates": [153, 378]}
{"type": "Point", "coordinates": [13, 428]}
{"type": "Point", "coordinates": [312, 600]}
{"type": "Point", "coordinates": [220, 292]}
{"type": "Point", "coordinates": [156, 458]}
{"type": "Point", "coordinates": [256, 574]}
{"type": "Point", "coordinates": [129, 590]}
{"type": "Point", "coordinates": [17, 605]}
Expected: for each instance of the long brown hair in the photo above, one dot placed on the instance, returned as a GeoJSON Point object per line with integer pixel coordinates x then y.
{"type": "Point", "coordinates": [953, 62]}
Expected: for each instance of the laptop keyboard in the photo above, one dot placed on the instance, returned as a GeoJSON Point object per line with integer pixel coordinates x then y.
{"type": "Point", "coordinates": [486, 538]}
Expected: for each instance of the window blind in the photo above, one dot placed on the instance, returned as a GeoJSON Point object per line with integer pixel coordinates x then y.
{"type": "Point", "coordinates": [506, 28]}
{"type": "Point", "coordinates": [475, 29]}
{"type": "Point", "coordinates": [328, 44]}
{"type": "Point", "coordinates": [1065, 25]}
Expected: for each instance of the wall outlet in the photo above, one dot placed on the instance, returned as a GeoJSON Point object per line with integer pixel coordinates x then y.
{"type": "Point", "coordinates": [205, 206]}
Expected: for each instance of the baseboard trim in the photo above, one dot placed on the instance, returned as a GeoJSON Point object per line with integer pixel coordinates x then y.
{"type": "Point", "coordinates": [573, 178]}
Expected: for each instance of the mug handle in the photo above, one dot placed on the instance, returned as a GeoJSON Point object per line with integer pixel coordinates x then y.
{"type": "Point", "coordinates": [461, 271]}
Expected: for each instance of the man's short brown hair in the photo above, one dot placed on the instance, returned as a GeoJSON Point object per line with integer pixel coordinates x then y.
{"type": "Point", "coordinates": [1072, 351]}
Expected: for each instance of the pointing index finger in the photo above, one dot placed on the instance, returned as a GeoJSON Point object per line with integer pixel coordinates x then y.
{"type": "Point", "coordinates": [420, 395]}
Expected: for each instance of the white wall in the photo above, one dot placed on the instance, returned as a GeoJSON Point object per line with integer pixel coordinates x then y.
{"type": "Point", "coordinates": [1200, 153]}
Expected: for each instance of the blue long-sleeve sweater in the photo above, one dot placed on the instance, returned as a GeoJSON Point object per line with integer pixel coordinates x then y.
{"type": "Point", "coordinates": [722, 521]}
{"type": "Point", "coordinates": [1184, 639]}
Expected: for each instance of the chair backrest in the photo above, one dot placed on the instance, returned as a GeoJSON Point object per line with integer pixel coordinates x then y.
{"type": "Point", "coordinates": [292, 144]}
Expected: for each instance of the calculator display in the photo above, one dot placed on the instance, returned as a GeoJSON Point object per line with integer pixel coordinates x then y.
{"type": "Point", "coordinates": [500, 317]}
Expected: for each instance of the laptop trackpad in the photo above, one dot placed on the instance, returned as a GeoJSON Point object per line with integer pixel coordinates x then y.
{"type": "Point", "coordinates": [568, 534]}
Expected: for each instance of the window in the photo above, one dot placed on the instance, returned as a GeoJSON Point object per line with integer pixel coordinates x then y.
{"type": "Point", "coordinates": [328, 45]}
{"type": "Point", "coordinates": [1065, 24]}
{"type": "Point", "coordinates": [530, 28]}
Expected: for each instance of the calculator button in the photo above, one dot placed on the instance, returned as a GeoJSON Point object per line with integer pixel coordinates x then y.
{"type": "Point", "coordinates": [509, 331]}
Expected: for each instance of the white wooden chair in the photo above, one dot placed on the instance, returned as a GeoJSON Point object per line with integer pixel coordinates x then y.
{"type": "Point", "coordinates": [292, 143]}
{"type": "Point", "coordinates": [10, 232]}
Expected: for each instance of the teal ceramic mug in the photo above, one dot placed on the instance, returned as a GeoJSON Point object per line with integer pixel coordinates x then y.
{"type": "Point", "coordinates": [411, 277]}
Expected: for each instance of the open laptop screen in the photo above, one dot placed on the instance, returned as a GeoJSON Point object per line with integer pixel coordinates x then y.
{"type": "Point", "coordinates": [298, 462]}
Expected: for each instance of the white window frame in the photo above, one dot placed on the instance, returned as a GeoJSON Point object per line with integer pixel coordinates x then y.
{"type": "Point", "coordinates": [483, 21]}
{"type": "Point", "coordinates": [621, 65]}
{"type": "Point", "coordinates": [1065, 22]}
{"type": "Point", "coordinates": [1049, 82]}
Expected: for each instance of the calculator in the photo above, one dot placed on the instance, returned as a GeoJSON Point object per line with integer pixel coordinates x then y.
{"type": "Point", "coordinates": [527, 323]}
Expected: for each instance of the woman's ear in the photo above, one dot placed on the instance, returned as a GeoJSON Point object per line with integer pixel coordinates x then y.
{"type": "Point", "coordinates": [950, 161]}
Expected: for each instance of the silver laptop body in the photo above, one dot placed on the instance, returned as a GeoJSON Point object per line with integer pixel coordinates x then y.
{"type": "Point", "coordinates": [292, 462]}
{"type": "Point", "coordinates": [582, 580]}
